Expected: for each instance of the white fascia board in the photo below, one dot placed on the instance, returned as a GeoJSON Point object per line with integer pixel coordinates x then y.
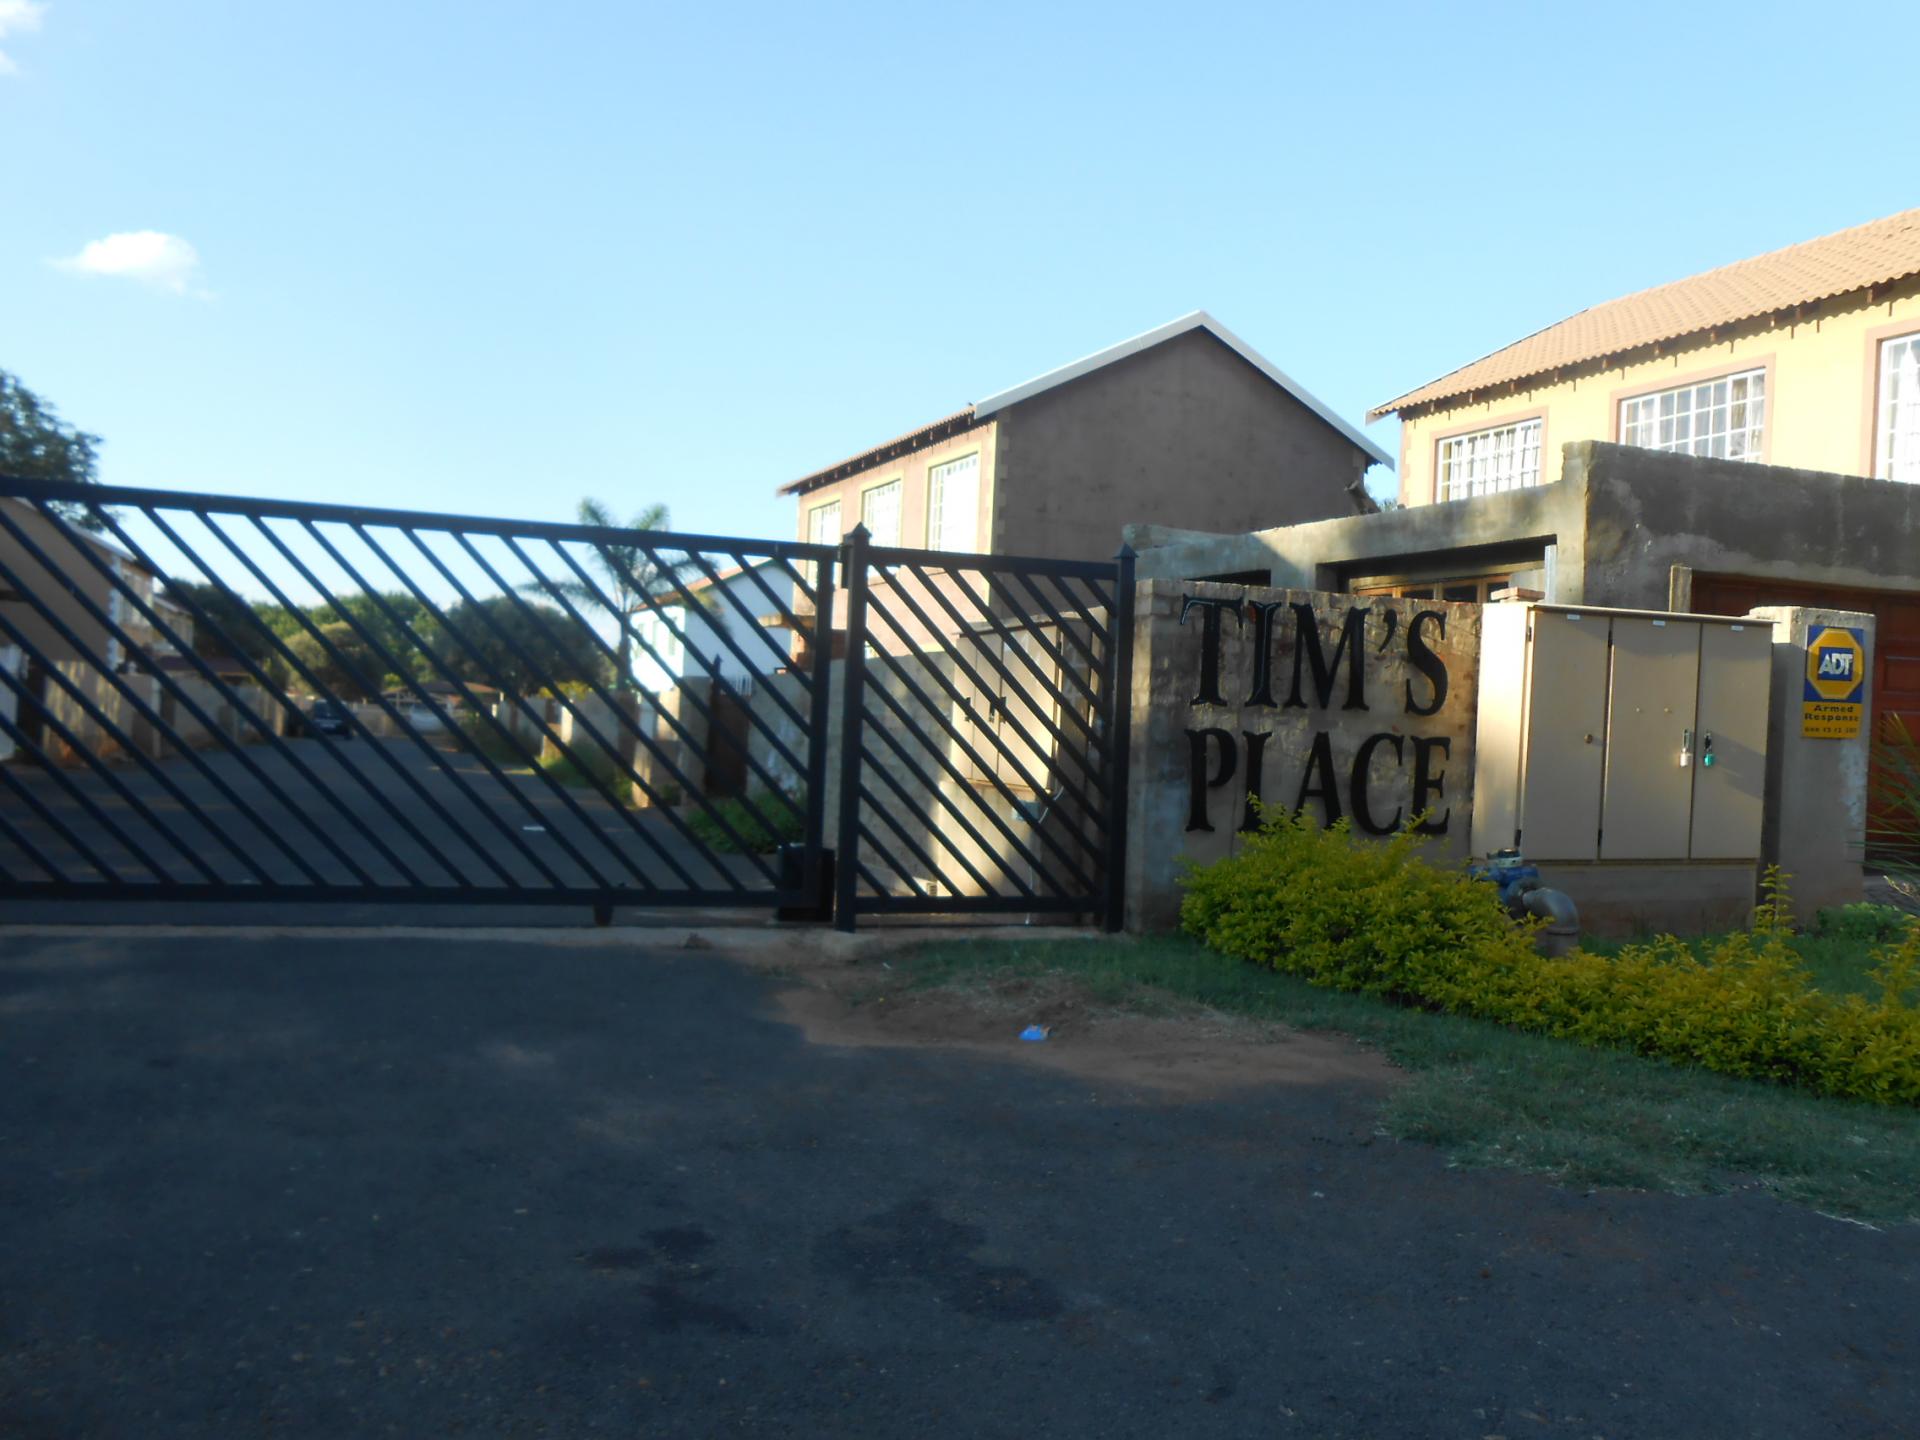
{"type": "Point", "coordinates": [1198, 320]}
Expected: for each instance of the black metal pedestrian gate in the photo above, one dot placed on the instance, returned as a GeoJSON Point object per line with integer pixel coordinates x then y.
{"type": "Point", "coordinates": [211, 699]}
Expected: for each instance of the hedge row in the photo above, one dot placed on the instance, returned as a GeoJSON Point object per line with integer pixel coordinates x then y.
{"type": "Point", "coordinates": [1378, 918]}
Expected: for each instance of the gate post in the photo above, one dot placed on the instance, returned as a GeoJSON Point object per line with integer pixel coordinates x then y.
{"type": "Point", "coordinates": [817, 874]}
{"type": "Point", "coordinates": [1119, 739]}
{"type": "Point", "coordinates": [846, 867]}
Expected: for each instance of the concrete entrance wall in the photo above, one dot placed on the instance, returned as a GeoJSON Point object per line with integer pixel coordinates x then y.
{"type": "Point", "coordinates": [1346, 707]}
{"type": "Point", "coordinates": [1609, 533]}
{"type": "Point", "coordinates": [1365, 708]}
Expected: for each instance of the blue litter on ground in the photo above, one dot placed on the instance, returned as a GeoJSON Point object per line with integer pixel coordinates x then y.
{"type": "Point", "coordinates": [1034, 1032]}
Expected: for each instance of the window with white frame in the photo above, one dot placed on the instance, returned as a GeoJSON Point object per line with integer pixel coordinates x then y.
{"type": "Point", "coordinates": [880, 512]}
{"type": "Point", "coordinates": [1724, 418]}
{"type": "Point", "coordinates": [823, 528]}
{"type": "Point", "coordinates": [1896, 431]}
{"type": "Point", "coordinates": [1504, 457]}
{"type": "Point", "coordinates": [953, 504]}
{"type": "Point", "coordinates": [823, 524]}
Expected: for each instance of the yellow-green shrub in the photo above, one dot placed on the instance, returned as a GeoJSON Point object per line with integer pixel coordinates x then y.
{"type": "Point", "coordinates": [1377, 918]}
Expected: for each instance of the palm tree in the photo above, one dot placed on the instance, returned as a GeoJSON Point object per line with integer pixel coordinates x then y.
{"type": "Point", "coordinates": [632, 574]}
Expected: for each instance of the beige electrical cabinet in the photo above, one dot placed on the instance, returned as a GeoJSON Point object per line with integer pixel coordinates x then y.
{"type": "Point", "coordinates": [1620, 735]}
{"type": "Point", "coordinates": [1016, 720]}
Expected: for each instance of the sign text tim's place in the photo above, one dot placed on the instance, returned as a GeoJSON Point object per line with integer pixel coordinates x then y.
{"type": "Point", "coordinates": [1389, 775]}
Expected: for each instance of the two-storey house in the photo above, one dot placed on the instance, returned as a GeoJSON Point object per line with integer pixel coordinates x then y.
{"type": "Point", "coordinates": [1185, 425]}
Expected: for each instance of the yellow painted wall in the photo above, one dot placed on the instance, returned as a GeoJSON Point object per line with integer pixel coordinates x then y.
{"type": "Point", "coordinates": [1820, 395]}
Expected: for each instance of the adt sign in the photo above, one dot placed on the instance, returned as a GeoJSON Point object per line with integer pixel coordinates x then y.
{"type": "Point", "coordinates": [1833, 701]}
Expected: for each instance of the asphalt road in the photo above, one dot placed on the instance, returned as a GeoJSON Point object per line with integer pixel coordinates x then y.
{"type": "Point", "coordinates": [383, 813]}
{"type": "Point", "coordinates": [444, 1187]}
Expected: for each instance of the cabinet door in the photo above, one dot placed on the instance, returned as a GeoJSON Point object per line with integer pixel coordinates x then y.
{"type": "Point", "coordinates": [1736, 681]}
{"type": "Point", "coordinates": [1565, 727]}
{"type": "Point", "coordinates": [1648, 799]}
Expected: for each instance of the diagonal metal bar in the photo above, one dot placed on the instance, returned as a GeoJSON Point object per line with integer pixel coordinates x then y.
{"type": "Point", "coordinates": [1076, 747]}
{"type": "Point", "coordinates": [870, 803]}
{"type": "Point", "coordinates": [784, 608]}
{"type": "Point", "coordinates": [798, 569]}
{"type": "Point", "coordinates": [910, 805]}
{"type": "Point", "coordinates": [119, 736]}
{"type": "Point", "coordinates": [634, 634]}
{"type": "Point", "coordinates": [1069, 631]}
{"type": "Point", "coordinates": [922, 699]}
{"type": "Point", "coordinates": [688, 790]}
{"type": "Point", "coordinates": [1088, 610]}
{"type": "Point", "coordinates": [672, 577]}
{"type": "Point", "coordinates": [71, 786]}
{"type": "Point", "coordinates": [373, 744]}
{"type": "Point", "coordinates": [879, 886]}
{"type": "Point", "coordinates": [1031, 626]}
{"type": "Point", "coordinates": [945, 762]}
{"type": "Point", "coordinates": [266, 682]}
{"type": "Point", "coordinates": [117, 632]}
{"type": "Point", "coordinates": [741, 609]}
{"type": "Point", "coordinates": [539, 719]}
{"type": "Point", "coordinates": [22, 843]}
{"type": "Point", "coordinates": [1020, 771]}
{"type": "Point", "coordinates": [1069, 670]}
{"type": "Point", "coordinates": [480, 803]}
{"type": "Point", "coordinates": [874, 847]}
{"type": "Point", "coordinates": [721, 590]}
{"type": "Point", "coordinates": [106, 773]}
{"type": "Point", "coordinates": [434, 707]}
{"type": "Point", "coordinates": [233, 746]}
{"type": "Point", "coordinates": [60, 827]}
{"type": "Point", "coordinates": [932, 787]}
{"type": "Point", "coordinates": [1061, 738]}
{"type": "Point", "coordinates": [546, 682]}
{"type": "Point", "coordinates": [433, 755]}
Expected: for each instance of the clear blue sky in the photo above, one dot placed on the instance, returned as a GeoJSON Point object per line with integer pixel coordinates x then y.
{"type": "Point", "coordinates": [488, 257]}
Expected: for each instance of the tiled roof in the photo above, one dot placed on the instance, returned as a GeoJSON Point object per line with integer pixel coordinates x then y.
{"type": "Point", "coordinates": [1870, 254]}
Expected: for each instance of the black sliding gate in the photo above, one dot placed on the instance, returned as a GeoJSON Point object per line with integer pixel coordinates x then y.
{"type": "Point", "coordinates": [214, 699]}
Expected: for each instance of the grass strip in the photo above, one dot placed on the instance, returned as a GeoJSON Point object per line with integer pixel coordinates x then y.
{"type": "Point", "coordinates": [1491, 1096]}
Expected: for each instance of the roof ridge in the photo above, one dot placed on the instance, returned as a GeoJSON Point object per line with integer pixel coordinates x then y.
{"type": "Point", "coordinates": [1192, 321]}
{"type": "Point", "coordinates": [1763, 256]}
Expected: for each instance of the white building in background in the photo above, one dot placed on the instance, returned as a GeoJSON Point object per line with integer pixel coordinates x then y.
{"type": "Point", "coordinates": [743, 605]}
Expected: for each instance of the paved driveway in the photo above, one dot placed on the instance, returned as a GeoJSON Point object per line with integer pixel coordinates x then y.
{"type": "Point", "coordinates": [331, 1187]}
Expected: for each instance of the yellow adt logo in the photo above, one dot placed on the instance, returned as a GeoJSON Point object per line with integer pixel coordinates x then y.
{"type": "Point", "coordinates": [1836, 665]}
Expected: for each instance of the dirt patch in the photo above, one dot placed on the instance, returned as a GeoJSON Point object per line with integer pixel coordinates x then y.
{"type": "Point", "coordinates": [1186, 1053]}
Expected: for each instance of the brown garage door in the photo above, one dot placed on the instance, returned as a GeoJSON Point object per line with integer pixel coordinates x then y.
{"type": "Point", "coordinates": [1896, 648]}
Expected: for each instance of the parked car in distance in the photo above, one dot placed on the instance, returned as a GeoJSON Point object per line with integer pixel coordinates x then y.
{"type": "Point", "coordinates": [423, 719]}
{"type": "Point", "coordinates": [329, 717]}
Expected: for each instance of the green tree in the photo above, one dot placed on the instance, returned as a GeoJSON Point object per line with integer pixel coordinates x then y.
{"type": "Point", "coordinates": [36, 444]}
{"type": "Point", "coordinates": [228, 612]}
{"type": "Point", "coordinates": [343, 676]}
{"type": "Point", "coordinates": [500, 630]}
{"type": "Point", "coordinates": [382, 619]}
{"type": "Point", "coordinates": [630, 576]}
